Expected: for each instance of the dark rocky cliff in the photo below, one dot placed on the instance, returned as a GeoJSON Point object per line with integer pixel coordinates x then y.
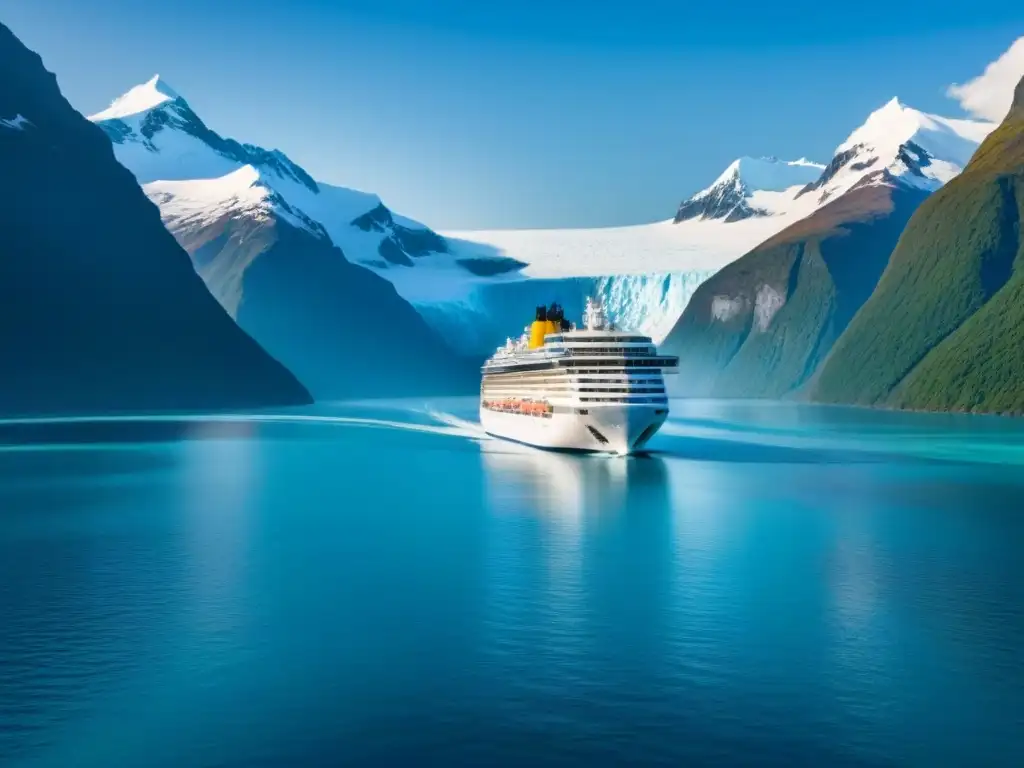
{"type": "Point", "coordinates": [100, 308]}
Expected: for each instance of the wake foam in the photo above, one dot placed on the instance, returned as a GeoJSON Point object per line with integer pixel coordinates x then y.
{"type": "Point", "coordinates": [445, 424]}
{"type": "Point", "coordinates": [470, 429]}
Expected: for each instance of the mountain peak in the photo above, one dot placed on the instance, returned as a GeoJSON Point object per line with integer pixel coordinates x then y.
{"type": "Point", "coordinates": [768, 173]}
{"type": "Point", "coordinates": [141, 98]}
{"type": "Point", "coordinates": [161, 86]}
{"type": "Point", "coordinates": [1018, 96]}
{"type": "Point", "coordinates": [894, 122]}
{"type": "Point", "coordinates": [749, 186]}
{"type": "Point", "coordinates": [899, 142]}
{"type": "Point", "coordinates": [892, 125]}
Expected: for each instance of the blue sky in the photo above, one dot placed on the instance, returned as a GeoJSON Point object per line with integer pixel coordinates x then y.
{"type": "Point", "coordinates": [524, 114]}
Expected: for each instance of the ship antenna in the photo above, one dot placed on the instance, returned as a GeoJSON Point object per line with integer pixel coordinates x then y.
{"type": "Point", "coordinates": [594, 318]}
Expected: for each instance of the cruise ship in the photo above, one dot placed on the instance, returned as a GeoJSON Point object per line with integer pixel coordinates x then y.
{"type": "Point", "coordinates": [594, 388]}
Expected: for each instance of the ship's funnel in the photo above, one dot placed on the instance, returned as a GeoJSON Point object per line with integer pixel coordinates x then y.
{"type": "Point", "coordinates": [548, 320]}
{"type": "Point", "coordinates": [537, 331]}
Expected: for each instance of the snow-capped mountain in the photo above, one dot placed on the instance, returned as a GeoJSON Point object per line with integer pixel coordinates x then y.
{"type": "Point", "coordinates": [750, 187]}
{"type": "Point", "coordinates": [159, 138]}
{"type": "Point", "coordinates": [899, 144]}
{"type": "Point", "coordinates": [760, 327]}
{"type": "Point", "coordinates": [896, 143]}
{"type": "Point", "coordinates": [276, 248]}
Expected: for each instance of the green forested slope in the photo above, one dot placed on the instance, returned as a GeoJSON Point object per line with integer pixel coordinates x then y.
{"type": "Point", "coordinates": [761, 326]}
{"type": "Point", "coordinates": [944, 327]}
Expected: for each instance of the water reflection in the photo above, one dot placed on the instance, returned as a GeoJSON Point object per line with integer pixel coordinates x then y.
{"type": "Point", "coordinates": [220, 485]}
{"type": "Point", "coordinates": [560, 495]}
{"type": "Point", "coordinates": [577, 563]}
{"type": "Point", "coordinates": [566, 486]}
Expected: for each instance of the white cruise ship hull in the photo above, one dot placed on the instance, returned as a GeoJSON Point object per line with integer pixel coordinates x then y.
{"type": "Point", "coordinates": [613, 428]}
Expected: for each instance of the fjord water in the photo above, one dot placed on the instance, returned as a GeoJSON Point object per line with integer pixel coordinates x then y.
{"type": "Point", "coordinates": [383, 584]}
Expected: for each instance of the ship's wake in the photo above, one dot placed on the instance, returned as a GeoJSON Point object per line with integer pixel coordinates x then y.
{"type": "Point", "coordinates": [471, 429]}
{"type": "Point", "coordinates": [35, 433]}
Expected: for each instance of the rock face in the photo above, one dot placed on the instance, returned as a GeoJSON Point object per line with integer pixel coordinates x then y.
{"type": "Point", "coordinates": [944, 329]}
{"type": "Point", "coordinates": [103, 310]}
{"type": "Point", "coordinates": [276, 248]}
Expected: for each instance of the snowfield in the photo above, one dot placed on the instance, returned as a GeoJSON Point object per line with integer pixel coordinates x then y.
{"type": "Point", "coordinates": [698, 245]}
{"type": "Point", "coordinates": [645, 274]}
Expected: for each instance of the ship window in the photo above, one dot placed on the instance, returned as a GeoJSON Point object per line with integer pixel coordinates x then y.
{"type": "Point", "coordinates": [630, 400]}
{"type": "Point", "coordinates": [611, 351]}
{"type": "Point", "coordinates": [582, 411]}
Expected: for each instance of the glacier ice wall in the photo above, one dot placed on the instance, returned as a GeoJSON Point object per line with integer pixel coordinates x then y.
{"type": "Point", "coordinates": [494, 311]}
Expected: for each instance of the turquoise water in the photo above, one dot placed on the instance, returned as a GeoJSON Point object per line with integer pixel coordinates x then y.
{"type": "Point", "coordinates": [385, 585]}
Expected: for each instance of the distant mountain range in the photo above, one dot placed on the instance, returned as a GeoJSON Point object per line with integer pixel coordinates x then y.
{"type": "Point", "coordinates": [762, 325]}
{"type": "Point", "coordinates": [102, 309]}
{"type": "Point", "coordinates": [276, 248]}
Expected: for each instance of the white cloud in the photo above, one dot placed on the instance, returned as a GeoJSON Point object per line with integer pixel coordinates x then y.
{"type": "Point", "coordinates": [990, 94]}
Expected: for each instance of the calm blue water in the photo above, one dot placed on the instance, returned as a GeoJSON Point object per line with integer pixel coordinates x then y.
{"type": "Point", "coordinates": [775, 584]}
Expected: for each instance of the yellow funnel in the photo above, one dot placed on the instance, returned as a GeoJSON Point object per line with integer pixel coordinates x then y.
{"type": "Point", "coordinates": [537, 331]}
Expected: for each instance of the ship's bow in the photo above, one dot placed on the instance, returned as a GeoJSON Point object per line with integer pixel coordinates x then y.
{"type": "Point", "coordinates": [625, 429]}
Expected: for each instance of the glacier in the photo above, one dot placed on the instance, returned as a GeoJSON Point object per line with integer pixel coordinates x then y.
{"type": "Point", "coordinates": [489, 312]}
{"type": "Point", "coordinates": [644, 273]}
